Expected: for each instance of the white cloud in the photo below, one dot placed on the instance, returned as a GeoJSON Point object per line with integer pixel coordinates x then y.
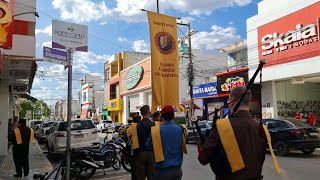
{"type": "Point", "coordinates": [187, 19]}
{"type": "Point", "coordinates": [47, 44]}
{"type": "Point", "coordinates": [89, 58]}
{"type": "Point", "coordinates": [122, 39]}
{"type": "Point", "coordinates": [141, 46]}
{"type": "Point", "coordinates": [81, 10]}
{"type": "Point", "coordinates": [47, 30]}
{"type": "Point", "coordinates": [129, 10]}
{"type": "Point", "coordinates": [218, 38]}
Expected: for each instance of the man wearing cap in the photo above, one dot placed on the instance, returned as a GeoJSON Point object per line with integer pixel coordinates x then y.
{"type": "Point", "coordinates": [244, 155]}
{"type": "Point", "coordinates": [168, 146]}
{"type": "Point", "coordinates": [21, 138]}
{"type": "Point", "coordinates": [140, 133]}
{"type": "Point", "coordinates": [125, 128]}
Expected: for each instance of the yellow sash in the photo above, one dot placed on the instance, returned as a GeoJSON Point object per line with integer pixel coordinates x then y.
{"type": "Point", "coordinates": [18, 135]}
{"type": "Point", "coordinates": [157, 143]}
{"type": "Point", "coordinates": [230, 144]}
{"type": "Point", "coordinates": [135, 141]}
{"type": "Point", "coordinates": [31, 136]}
{"type": "Point", "coordinates": [274, 159]}
{"type": "Point", "coordinates": [157, 123]}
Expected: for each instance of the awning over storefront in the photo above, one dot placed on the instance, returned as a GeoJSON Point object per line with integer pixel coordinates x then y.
{"type": "Point", "coordinates": [27, 96]}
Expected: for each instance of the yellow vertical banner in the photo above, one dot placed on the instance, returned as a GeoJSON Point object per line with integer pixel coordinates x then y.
{"type": "Point", "coordinates": [164, 60]}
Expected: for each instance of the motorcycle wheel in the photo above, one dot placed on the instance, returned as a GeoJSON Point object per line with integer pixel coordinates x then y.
{"type": "Point", "coordinates": [125, 164]}
{"type": "Point", "coordinates": [85, 172]}
{"type": "Point", "coordinates": [116, 164]}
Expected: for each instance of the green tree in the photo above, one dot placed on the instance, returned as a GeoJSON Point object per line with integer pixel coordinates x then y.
{"type": "Point", "coordinates": [41, 110]}
{"type": "Point", "coordinates": [25, 106]}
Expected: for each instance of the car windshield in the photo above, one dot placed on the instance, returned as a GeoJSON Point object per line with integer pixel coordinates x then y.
{"type": "Point", "coordinates": [47, 124]}
{"type": "Point", "coordinates": [210, 123]}
{"type": "Point", "coordinates": [77, 125]}
{"type": "Point", "coordinates": [296, 123]}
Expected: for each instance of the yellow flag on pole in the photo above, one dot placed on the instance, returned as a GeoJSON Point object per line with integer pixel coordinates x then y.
{"type": "Point", "coordinates": [164, 60]}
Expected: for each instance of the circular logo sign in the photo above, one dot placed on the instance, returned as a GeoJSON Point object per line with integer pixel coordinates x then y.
{"type": "Point", "coordinates": [133, 77]}
{"type": "Point", "coordinates": [165, 42]}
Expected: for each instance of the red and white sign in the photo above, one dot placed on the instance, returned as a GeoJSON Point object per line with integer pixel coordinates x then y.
{"type": "Point", "coordinates": [7, 9]}
{"type": "Point", "coordinates": [290, 38]}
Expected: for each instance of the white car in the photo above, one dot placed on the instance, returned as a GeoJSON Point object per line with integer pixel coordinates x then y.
{"type": "Point", "coordinates": [83, 134]}
{"type": "Point", "coordinates": [104, 125]}
{"type": "Point", "coordinates": [43, 131]}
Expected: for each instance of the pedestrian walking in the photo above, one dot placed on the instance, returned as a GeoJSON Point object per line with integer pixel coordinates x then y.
{"type": "Point", "coordinates": [21, 137]}
{"type": "Point", "coordinates": [143, 155]}
{"type": "Point", "coordinates": [168, 143]}
{"type": "Point", "coordinates": [312, 119]}
{"type": "Point", "coordinates": [235, 149]}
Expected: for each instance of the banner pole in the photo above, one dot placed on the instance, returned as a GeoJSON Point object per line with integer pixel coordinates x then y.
{"type": "Point", "coordinates": [68, 151]}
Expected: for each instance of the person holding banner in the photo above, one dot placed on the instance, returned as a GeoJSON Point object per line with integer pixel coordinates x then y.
{"type": "Point", "coordinates": [234, 149]}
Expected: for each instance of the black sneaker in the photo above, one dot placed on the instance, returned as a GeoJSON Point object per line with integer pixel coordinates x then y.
{"type": "Point", "coordinates": [25, 175]}
{"type": "Point", "coordinates": [17, 175]}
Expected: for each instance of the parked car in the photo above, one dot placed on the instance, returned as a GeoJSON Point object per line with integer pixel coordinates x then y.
{"type": "Point", "coordinates": [104, 126]}
{"type": "Point", "coordinates": [33, 123]}
{"type": "Point", "coordinates": [83, 134]}
{"type": "Point", "coordinates": [37, 131]}
{"type": "Point", "coordinates": [43, 130]}
{"type": "Point", "coordinates": [292, 135]}
{"type": "Point", "coordinates": [205, 127]}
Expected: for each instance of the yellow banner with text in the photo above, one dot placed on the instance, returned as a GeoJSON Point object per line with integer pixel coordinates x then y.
{"type": "Point", "coordinates": [164, 60]}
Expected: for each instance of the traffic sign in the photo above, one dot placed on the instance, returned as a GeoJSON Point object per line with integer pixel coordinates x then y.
{"type": "Point", "coordinates": [55, 56]}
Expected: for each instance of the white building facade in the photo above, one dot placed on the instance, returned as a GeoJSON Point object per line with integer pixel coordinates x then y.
{"type": "Point", "coordinates": [286, 34]}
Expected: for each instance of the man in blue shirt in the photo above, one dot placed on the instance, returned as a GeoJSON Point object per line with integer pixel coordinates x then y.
{"type": "Point", "coordinates": [171, 135]}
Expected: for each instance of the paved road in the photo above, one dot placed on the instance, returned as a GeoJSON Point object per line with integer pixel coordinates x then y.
{"type": "Point", "coordinates": [296, 166]}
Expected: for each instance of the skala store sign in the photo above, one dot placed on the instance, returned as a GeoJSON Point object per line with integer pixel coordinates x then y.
{"type": "Point", "coordinates": [292, 37]}
{"type": "Point", "coordinates": [133, 77]}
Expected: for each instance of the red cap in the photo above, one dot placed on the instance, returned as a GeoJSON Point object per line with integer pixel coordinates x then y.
{"type": "Point", "coordinates": [166, 109]}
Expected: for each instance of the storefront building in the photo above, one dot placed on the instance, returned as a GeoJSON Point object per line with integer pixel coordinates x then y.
{"type": "Point", "coordinates": [287, 37]}
{"type": "Point", "coordinates": [135, 88]}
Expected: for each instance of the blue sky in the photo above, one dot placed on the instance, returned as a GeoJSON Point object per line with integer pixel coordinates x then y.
{"type": "Point", "coordinates": [119, 25]}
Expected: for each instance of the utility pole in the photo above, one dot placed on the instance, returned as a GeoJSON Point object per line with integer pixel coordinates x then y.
{"type": "Point", "coordinates": [68, 151]}
{"type": "Point", "coordinates": [158, 6]}
{"type": "Point", "coordinates": [190, 71]}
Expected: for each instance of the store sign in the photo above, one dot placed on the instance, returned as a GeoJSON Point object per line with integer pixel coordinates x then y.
{"type": "Point", "coordinates": [7, 8]}
{"type": "Point", "coordinates": [226, 82]}
{"type": "Point", "coordinates": [290, 38]}
{"type": "Point", "coordinates": [298, 80]}
{"type": "Point", "coordinates": [69, 35]}
{"type": "Point", "coordinates": [55, 56]}
{"type": "Point", "coordinates": [204, 90]}
{"type": "Point", "coordinates": [19, 88]}
{"type": "Point", "coordinates": [115, 105]}
{"type": "Point", "coordinates": [133, 77]}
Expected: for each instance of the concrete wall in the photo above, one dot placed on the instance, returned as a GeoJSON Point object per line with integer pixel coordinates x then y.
{"type": "Point", "coordinates": [4, 111]}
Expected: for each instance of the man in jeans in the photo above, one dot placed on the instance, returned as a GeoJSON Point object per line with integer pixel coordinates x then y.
{"type": "Point", "coordinates": [143, 155]}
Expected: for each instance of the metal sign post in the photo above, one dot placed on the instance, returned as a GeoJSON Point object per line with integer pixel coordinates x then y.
{"type": "Point", "coordinates": [68, 151]}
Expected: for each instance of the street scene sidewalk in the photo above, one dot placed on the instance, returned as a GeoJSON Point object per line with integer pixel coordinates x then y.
{"type": "Point", "coordinates": [37, 162]}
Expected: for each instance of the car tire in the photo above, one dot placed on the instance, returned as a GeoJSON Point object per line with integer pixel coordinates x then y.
{"type": "Point", "coordinates": [308, 150]}
{"type": "Point", "coordinates": [281, 148]}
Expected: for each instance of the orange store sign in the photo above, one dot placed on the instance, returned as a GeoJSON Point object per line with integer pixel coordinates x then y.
{"type": "Point", "coordinates": [6, 23]}
{"type": "Point", "coordinates": [290, 38]}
